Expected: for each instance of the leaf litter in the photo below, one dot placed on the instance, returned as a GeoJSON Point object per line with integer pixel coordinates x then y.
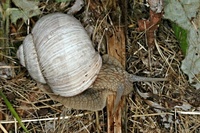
{"type": "Point", "coordinates": [151, 107]}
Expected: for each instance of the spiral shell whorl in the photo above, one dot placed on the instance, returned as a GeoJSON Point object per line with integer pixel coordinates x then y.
{"type": "Point", "coordinates": [28, 58]}
{"type": "Point", "coordinates": [64, 54]}
{"type": "Point", "coordinates": [20, 55]}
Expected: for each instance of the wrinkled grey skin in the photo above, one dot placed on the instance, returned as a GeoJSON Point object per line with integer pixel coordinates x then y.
{"type": "Point", "coordinates": [112, 79]}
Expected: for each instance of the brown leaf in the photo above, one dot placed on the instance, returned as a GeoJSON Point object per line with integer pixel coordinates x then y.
{"type": "Point", "coordinates": [150, 26]}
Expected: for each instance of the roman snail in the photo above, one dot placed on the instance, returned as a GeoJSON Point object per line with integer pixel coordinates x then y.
{"type": "Point", "coordinates": [59, 53]}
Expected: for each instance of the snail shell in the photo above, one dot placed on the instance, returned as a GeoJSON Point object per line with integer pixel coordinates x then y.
{"type": "Point", "coordinates": [58, 52]}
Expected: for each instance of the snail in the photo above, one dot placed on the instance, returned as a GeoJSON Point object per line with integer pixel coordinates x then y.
{"type": "Point", "coordinates": [59, 55]}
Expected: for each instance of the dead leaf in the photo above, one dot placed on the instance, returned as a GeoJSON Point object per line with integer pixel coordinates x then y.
{"type": "Point", "coordinates": [76, 7]}
{"type": "Point", "coordinates": [150, 26]}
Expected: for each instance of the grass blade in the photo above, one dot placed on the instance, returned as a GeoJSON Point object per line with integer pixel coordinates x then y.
{"type": "Point", "coordinates": [13, 112]}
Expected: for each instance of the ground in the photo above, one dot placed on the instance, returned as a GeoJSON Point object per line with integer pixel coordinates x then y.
{"type": "Point", "coordinates": [152, 106]}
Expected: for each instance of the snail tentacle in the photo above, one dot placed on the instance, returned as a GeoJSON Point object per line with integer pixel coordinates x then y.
{"type": "Point", "coordinates": [120, 92]}
{"type": "Point", "coordinates": [135, 78]}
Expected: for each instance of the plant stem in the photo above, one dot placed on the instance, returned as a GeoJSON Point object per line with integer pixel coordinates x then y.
{"type": "Point", "coordinates": [13, 112]}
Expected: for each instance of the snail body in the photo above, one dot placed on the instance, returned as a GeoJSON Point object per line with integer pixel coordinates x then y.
{"type": "Point", "coordinates": [59, 53]}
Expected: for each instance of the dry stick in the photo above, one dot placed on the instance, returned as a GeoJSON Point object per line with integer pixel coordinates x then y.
{"type": "Point", "coordinates": [3, 129]}
{"type": "Point", "coordinates": [124, 20]}
{"type": "Point", "coordinates": [116, 48]}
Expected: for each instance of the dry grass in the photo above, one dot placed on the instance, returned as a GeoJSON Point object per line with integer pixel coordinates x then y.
{"type": "Point", "coordinates": [162, 111]}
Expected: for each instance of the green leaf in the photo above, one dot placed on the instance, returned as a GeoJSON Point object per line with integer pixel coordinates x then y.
{"type": "Point", "coordinates": [16, 14]}
{"type": "Point", "coordinates": [186, 13]}
{"type": "Point", "coordinates": [181, 35]}
{"type": "Point", "coordinates": [26, 9]}
{"type": "Point", "coordinates": [26, 5]}
{"type": "Point", "coordinates": [13, 112]}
